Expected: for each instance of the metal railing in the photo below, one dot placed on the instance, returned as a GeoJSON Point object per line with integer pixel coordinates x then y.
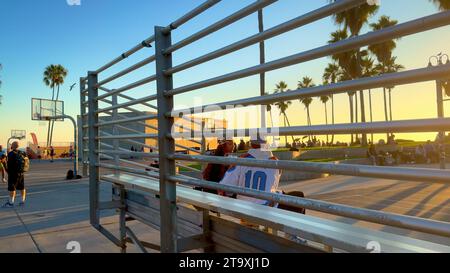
{"type": "Point", "coordinates": [166, 114]}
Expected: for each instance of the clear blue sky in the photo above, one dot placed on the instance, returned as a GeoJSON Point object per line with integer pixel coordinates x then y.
{"type": "Point", "coordinates": [36, 33]}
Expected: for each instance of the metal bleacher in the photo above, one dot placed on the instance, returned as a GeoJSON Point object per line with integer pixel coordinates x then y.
{"type": "Point", "coordinates": [192, 220]}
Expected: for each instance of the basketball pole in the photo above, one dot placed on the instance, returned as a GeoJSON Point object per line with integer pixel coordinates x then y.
{"type": "Point", "coordinates": [75, 158]}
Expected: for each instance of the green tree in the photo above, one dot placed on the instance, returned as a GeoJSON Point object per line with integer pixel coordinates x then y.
{"type": "Point", "coordinates": [283, 106]}
{"type": "Point", "coordinates": [353, 20]}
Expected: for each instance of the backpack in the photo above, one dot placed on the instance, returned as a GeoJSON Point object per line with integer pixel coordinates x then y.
{"type": "Point", "coordinates": [23, 162]}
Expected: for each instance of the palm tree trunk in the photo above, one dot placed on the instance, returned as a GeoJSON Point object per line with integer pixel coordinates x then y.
{"type": "Point", "coordinates": [326, 119]}
{"type": "Point", "coordinates": [390, 104]}
{"type": "Point", "coordinates": [363, 117]}
{"type": "Point", "coordinates": [332, 116]}
{"type": "Point", "coordinates": [289, 124]}
{"type": "Point", "coordinates": [285, 137]}
{"type": "Point", "coordinates": [371, 110]}
{"type": "Point", "coordinates": [53, 121]}
{"type": "Point", "coordinates": [350, 98]}
{"type": "Point", "coordinates": [50, 122]}
{"type": "Point", "coordinates": [385, 109]}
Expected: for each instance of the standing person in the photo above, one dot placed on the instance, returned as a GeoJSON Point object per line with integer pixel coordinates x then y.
{"type": "Point", "coordinates": [52, 153]}
{"type": "Point", "coordinates": [2, 163]}
{"type": "Point", "coordinates": [71, 152]}
{"type": "Point", "coordinates": [16, 167]}
{"type": "Point", "coordinates": [216, 172]}
{"type": "Point", "coordinates": [39, 153]}
{"type": "Point", "coordinates": [3, 166]}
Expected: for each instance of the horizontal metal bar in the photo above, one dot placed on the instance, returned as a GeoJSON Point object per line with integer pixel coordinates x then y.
{"type": "Point", "coordinates": [302, 20]}
{"type": "Point", "coordinates": [129, 170]}
{"type": "Point", "coordinates": [190, 15]}
{"type": "Point", "coordinates": [129, 153]}
{"type": "Point", "coordinates": [188, 149]}
{"type": "Point", "coordinates": [133, 119]}
{"type": "Point", "coordinates": [404, 126]}
{"type": "Point", "coordinates": [397, 31]}
{"type": "Point", "coordinates": [393, 173]}
{"type": "Point", "coordinates": [129, 103]}
{"type": "Point", "coordinates": [151, 39]}
{"type": "Point", "coordinates": [127, 70]}
{"type": "Point", "coordinates": [128, 87]}
{"type": "Point", "coordinates": [142, 103]}
{"type": "Point", "coordinates": [134, 136]}
{"type": "Point", "coordinates": [254, 7]}
{"type": "Point", "coordinates": [373, 216]}
{"type": "Point", "coordinates": [110, 205]}
{"type": "Point", "coordinates": [391, 79]}
{"type": "Point", "coordinates": [132, 142]}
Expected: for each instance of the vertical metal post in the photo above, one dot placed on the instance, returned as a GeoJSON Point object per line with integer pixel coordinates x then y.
{"type": "Point", "coordinates": [441, 114]}
{"type": "Point", "coordinates": [84, 119]}
{"type": "Point", "coordinates": [94, 175]}
{"type": "Point", "coordinates": [262, 60]}
{"type": "Point", "coordinates": [169, 233]}
{"type": "Point", "coordinates": [79, 150]}
{"type": "Point", "coordinates": [115, 131]}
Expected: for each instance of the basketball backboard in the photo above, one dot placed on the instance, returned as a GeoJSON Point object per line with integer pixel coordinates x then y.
{"type": "Point", "coordinates": [18, 134]}
{"type": "Point", "coordinates": [44, 109]}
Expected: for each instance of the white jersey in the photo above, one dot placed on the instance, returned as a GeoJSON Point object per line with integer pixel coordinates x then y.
{"type": "Point", "coordinates": [261, 179]}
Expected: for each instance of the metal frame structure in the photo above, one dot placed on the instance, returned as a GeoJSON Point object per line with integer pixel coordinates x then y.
{"type": "Point", "coordinates": [92, 138]}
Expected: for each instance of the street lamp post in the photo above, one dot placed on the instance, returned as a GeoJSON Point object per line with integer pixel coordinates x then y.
{"type": "Point", "coordinates": [440, 103]}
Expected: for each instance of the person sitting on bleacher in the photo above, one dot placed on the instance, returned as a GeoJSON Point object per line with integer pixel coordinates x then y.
{"type": "Point", "coordinates": [262, 179]}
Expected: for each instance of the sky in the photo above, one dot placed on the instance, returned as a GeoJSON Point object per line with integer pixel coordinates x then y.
{"type": "Point", "coordinates": [37, 33]}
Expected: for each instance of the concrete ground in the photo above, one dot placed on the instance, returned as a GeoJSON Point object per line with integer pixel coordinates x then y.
{"type": "Point", "coordinates": [57, 211]}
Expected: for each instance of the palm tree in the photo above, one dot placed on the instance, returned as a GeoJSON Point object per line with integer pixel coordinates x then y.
{"type": "Point", "coordinates": [54, 76]}
{"type": "Point", "coordinates": [347, 64]}
{"type": "Point", "coordinates": [324, 100]}
{"type": "Point", "coordinates": [331, 75]}
{"type": "Point", "coordinates": [442, 4]}
{"type": "Point", "coordinates": [392, 67]}
{"type": "Point", "coordinates": [368, 70]}
{"type": "Point", "coordinates": [283, 106]}
{"type": "Point", "coordinates": [269, 109]}
{"type": "Point", "coordinates": [353, 20]}
{"type": "Point", "coordinates": [306, 82]}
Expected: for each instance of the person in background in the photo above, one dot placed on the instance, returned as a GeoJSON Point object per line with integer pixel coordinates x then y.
{"type": "Point", "coordinates": [2, 163]}
{"type": "Point", "coordinates": [3, 167]}
{"type": "Point", "coordinates": [71, 152]}
{"type": "Point", "coordinates": [216, 172]}
{"type": "Point", "coordinates": [15, 169]}
{"type": "Point", "coordinates": [261, 179]}
{"type": "Point", "coordinates": [52, 153]}
{"type": "Point", "coordinates": [39, 153]}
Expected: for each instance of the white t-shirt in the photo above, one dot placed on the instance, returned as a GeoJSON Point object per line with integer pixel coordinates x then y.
{"type": "Point", "coordinates": [261, 179]}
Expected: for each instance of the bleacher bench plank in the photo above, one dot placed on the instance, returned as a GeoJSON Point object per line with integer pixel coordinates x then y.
{"type": "Point", "coordinates": [339, 235]}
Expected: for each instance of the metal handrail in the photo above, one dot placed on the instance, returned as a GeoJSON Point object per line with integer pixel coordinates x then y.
{"type": "Point", "coordinates": [375, 37]}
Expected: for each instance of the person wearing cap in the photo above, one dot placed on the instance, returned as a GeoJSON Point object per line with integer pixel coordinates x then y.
{"type": "Point", "coordinates": [216, 172]}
